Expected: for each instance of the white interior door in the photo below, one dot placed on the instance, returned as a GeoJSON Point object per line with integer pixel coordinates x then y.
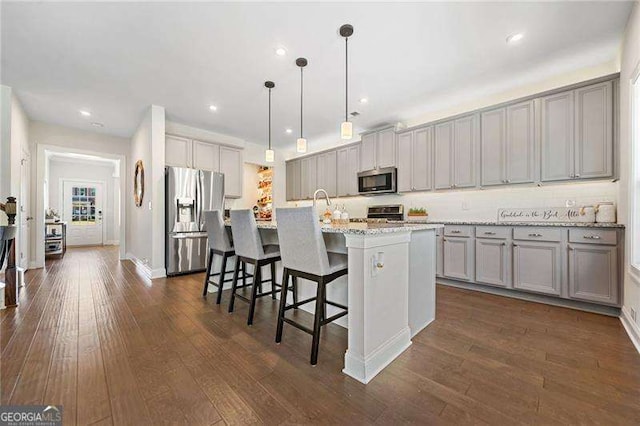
{"type": "Point", "coordinates": [25, 211]}
{"type": "Point", "coordinates": [82, 207]}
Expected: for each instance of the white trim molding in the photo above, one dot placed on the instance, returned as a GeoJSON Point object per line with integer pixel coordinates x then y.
{"type": "Point", "coordinates": [630, 327]}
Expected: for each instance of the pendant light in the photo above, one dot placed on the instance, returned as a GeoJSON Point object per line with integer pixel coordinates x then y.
{"type": "Point", "coordinates": [301, 143]}
{"type": "Point", "coordinates": [346, 129]}
{"type": "Point", "coordinates": [269, 154]}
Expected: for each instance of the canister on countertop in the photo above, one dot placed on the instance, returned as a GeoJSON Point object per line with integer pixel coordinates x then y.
{"type": "Point", "coordinates": [587, 214]}
{"type": "Point", "coordinates": [605, 212]}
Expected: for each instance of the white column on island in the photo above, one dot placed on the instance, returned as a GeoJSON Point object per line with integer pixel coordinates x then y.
{"type": "Point", "coordinates": [378, 302]}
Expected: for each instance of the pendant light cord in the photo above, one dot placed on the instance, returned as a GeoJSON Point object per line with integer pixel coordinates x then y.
{"type": "Point", "coordinates": [301, 92]}
{"type": "Point", "coordinates": [269, 118]}
{"type": "Point", "coordinates": [346, 78]}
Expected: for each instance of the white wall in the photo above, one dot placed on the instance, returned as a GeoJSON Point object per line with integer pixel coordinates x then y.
{"type": "Point", "coordinates": [50, 137]}
{"type": "Point", "coordinates": [68, 169]}
{"type": "Point", "coordinates": [630, 59]}
{"type": "Point", "coordinates": [145, 236]}
{"type": "Point", "coordinates": [5, 142]}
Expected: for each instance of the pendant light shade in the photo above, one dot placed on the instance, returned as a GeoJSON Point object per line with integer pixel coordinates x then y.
{"type": "Point", "coordinates": [346, 129]}
{"type": "Point", "coordinates": [269, 155]}
{"type": "Point", "coordinates": [301, 143]}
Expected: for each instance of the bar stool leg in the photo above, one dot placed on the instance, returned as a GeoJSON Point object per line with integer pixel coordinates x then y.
{"type": "Point", "coordinates": [206, 275]}
{"type": "Point", "coordinates": [244, 274]}
{"type": "Point", "coordinates": [257, 283]}
{"type": "Point", "coordinates": [317, 322]}
{"type": "Point", "coordinates": [295, 291]}
{"type": "Point", "coordinates": [234, 284]}
{"type": "Point", "coordinates": [223, 274]}
{"type": "Point", "coordinates": [283, 303]}
{"type": "Point", "coordinates": [273, 280]}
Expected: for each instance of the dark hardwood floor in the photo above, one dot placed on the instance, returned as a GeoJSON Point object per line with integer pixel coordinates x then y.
{"type": "Point", "coordinates": [114, 348]}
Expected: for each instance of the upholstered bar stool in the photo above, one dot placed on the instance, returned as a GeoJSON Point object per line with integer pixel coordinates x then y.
{"type": "Point", "coordinates": [304, 255]}
{"type": "Point", "coordinates": [219, 244]}
{"type": "Point", "coordinates": [249, 249]}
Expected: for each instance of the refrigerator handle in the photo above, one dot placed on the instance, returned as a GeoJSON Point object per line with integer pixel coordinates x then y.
{"type": "Point", "coordinates": [197, 200]}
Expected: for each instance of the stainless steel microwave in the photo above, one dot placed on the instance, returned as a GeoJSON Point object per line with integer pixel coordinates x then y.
{"type": "Point", "coordinates": [379, 181]}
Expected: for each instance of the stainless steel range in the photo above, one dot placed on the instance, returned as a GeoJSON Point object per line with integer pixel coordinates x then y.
{"type": "Point", "coordinates": [386, 213]}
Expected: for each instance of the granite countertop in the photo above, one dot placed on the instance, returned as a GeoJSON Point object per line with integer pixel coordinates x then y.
{"type": "Point", "coordinates": [559, 224]}
{"type": "Point", "coordinates": [362, 228]}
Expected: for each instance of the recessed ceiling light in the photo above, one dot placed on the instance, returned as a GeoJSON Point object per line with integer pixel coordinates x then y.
{"type": "Point", "coordinates": [96, 124]}
{"type": "Point", "coordinates": [514, 38]}
{"type": "Point", "coordinates": [281, 51]}
{"type": "Point", "coordinates": [85, 113]}
{"type": "Point", "coordinates": [364, 100]}
{"type": "Point", "coordinates": [289, 131]}
{"type": "Point", "coordinates": [213, 107]}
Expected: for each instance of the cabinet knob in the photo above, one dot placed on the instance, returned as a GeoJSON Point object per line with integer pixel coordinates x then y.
{"type": "Point", "coordinates": [489, 233]}
{"type": "Point", "coordinates": [535, 235]}
{"type": "Point", "coordinates": [572, 175]}
{"type": "Point", "coordinates": [591, 237]}
{"type": "Point", "coordinates": [577, 175]}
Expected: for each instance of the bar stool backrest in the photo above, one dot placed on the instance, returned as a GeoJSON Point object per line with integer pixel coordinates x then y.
{"type": "Point", "coordinates": [216, 231]}
{"type": "Point", "coordinates": [246, 237]}
{"type": "Point", "coordinates": [302, 246]}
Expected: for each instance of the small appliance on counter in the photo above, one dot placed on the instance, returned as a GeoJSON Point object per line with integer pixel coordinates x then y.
{"type": "Point", "coordinates": [379, 181]}
{"type": "Point", "coordinates": [605, 212]}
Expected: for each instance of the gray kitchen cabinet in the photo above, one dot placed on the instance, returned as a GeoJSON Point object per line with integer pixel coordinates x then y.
{"type": "Point", "coordinates": [308, 173]}
{"type": "Point", "coordinates": [327, 173]}
{"type": "Point", "coordinates": [378, 149]}
{"type": "Point", "coordinates": [439, 255]}
{"type": "Point", "coordinates": [464, 156]}
{"type": "Point", "coordinates": [493, 262]}
{"type": "Point", "coordinates": [593, 273]}
{"type": "Point", "coordinates": [442, 153]}
{"type": "Point", "coordinates": [405, 162]}
{"type": "Point", "coordinates": [557, 136]}
{"type": "Point", "coordinates": [520, 146]}
{"type": "Point", "coordinates": [231, 167]}
{"type": "Point", "coordinates": [368, 151]}
{"type": "Point", "coordinates": [594, 131]}
{"type": "Point", "coordinates": [414, 160]}
{"type": "Point", "coordinates": [296, 180]}
{"type": "Point", "coordinates": [493, 147]}
{"type": "Point", "coordinates": [537, 267]}
{"type": "Point", "coordinates": [289, 180]}
{"type": "Point", "coordinates": [348, 167]}
{"type": "Point", "coordinates": [386, 148]}
{"type": "Point", "coordinates": [458, 258]}
{"type": "Point", "coordinates": [178, 151]}
{"type": "Point", "coordinates": [206, 156]}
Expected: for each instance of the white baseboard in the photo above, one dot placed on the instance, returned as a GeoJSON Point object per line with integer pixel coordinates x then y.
{"type": "Point", "coordinates": [158, 273]}
{"type": "Point", "coordinates": [364, 370]}
{"type": "Point", "coordinates": [142, 267]}
{"type": "Point", "coordinates": [630, 327]}
{"type": "Point", "coordinates": [112, 243]}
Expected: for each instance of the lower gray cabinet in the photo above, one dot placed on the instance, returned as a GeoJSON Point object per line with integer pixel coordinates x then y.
{"type": "Point", "coordinates": [593, 273]}
{"type": "Point", "coordinates": [537, 266]}
{"type": "Point", "coordinates": [458, 258]}
{"type": "Point", "coordinates": [492, 262]}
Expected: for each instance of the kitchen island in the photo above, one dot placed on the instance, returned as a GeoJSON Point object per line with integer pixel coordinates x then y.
{"type": "Point", "coordinates": [389, 290]}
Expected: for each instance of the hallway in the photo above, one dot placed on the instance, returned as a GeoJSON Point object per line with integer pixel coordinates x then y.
{"type": "Point", "coordinates": [115, 348]}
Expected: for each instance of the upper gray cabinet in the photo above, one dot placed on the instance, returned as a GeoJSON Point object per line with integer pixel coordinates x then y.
{"type": "Point", "coordinates": [231, 167]}
{"type": "Point", "coordinates": [455, 146]}
{"type": "Point", "coordinates": [327, 172]}
{"type": "Point", "coordinates": [414, 155]}
{"type": "Point", "coordinates": [308, 173]}
{"type": "Point", "coordinates": [178, 151]}
{"type": "Point", "coordinates": [594, 131]}
{"type": "Point", "coordinates": [348, 167]}
{"type": "Point", "coordinates": [508, 145]}
{"type": "Point", "coordinates": [206, 156]}
{"type": "Point", "coordinates": [378, 149]}
{"type": "Point", "coordinates": [577, 133]}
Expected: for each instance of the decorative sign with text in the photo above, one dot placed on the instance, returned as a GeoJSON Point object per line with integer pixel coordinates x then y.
{"type": "Point", "coordinates": [551, 215]}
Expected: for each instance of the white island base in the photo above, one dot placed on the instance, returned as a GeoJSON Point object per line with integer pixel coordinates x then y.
{"type": "Point", "coordinates": [390, 289]}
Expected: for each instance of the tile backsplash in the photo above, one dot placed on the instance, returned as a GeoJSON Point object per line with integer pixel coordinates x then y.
{"type": "Point", "coordinates": [483, 204]}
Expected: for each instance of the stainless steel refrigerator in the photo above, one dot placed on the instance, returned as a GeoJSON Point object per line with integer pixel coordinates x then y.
{"type": "Point", "coordinates": [189, 192]}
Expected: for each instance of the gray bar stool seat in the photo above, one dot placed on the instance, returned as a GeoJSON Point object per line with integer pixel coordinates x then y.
{"type": "Point", "coordinates": [304, 255]}
{"type": "Point", "coordinates": [219, 244]}
{"type": "Point", "coordinates": [250, 249]}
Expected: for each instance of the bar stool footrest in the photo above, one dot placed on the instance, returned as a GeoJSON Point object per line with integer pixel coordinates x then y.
{"type": "Point", "coordinates": [298, 326]}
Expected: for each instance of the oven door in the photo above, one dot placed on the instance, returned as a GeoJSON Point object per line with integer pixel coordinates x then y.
{"type": "Point", "coordinates": [381, 181]}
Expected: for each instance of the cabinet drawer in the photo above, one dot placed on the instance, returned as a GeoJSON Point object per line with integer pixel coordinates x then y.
{"type": "Point", "coordinates": [458, 230]}
{"type": "Point", "coordinates": [593, 236]}
{"type": "Point", "coordinates": [538, 234]}
{"type": "Point", "coordinates": [500, 232]}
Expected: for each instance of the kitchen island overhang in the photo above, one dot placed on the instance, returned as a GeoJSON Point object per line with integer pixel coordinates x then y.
{"type": "Point", "coordinates": [390, 288]}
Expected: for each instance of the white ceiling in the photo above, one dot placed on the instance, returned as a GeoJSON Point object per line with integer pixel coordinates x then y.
{"type": "Point", "coordinates": [114, 59]}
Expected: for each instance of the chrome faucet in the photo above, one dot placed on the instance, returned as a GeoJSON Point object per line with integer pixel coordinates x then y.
{"type": "Point", "coordinates": [326, 197]}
